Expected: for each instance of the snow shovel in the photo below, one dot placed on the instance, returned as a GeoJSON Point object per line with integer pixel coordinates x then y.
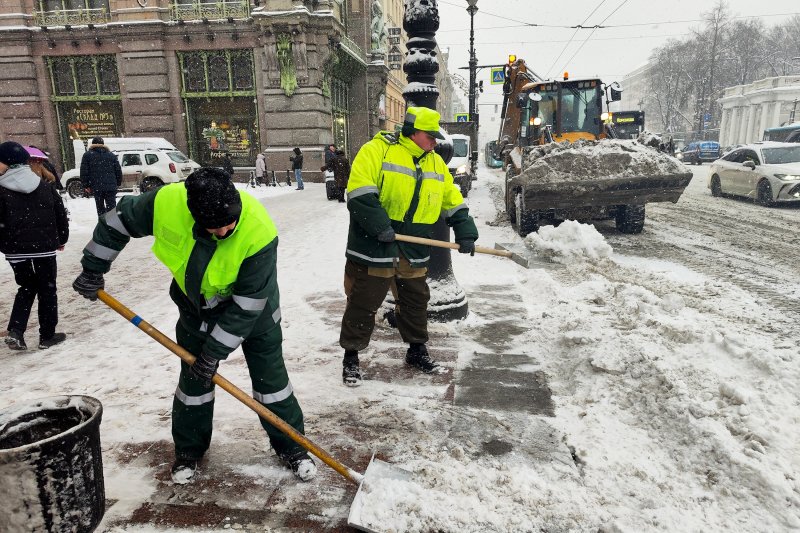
{"type": "Point", "coordinates": [452, 245]}
{"type": "Point", "coordinates": [377, 470]}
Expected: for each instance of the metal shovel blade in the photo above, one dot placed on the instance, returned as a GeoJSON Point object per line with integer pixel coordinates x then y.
{"type": "Point", "coordinates": [377, 472]}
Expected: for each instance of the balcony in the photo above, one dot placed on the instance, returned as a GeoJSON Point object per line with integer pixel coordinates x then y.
{"type": "Point", "coordinates": [195, 10]}
{"type": "Point", "coordinates": [62, 17]}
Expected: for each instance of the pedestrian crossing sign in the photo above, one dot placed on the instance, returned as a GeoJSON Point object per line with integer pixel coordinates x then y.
{"type": "Point", "coordinates": [498, 76]}
{"type": "Point", "coordinates": [462, 117]}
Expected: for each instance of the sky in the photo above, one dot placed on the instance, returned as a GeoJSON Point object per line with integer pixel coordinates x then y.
{"type": "Point", "coordinates": [610, 53]}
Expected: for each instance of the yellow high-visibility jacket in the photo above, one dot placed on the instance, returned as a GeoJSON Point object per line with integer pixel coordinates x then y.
{"type": "Point", "coordinates": [394, 182]}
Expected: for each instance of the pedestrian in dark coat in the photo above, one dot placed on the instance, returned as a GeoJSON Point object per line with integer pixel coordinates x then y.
{"type": "Point", "coordinates": [330, 153]}
{"type": "Point", "coordinates": [101, 175]}
{"type": "Point", "coordinates": [297, 166]}
{"type": "Point", "coordinates": [340, 167]}
{"type": "Point", "coordinates": [34, 225]}
{"type": "Point", "coordinates": [227, 164]}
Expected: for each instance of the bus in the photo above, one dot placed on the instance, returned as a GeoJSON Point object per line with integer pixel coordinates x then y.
{"type": "Point", "coordinates": [488, 156]}
{"type": "Point", "coordinates": [627, 124]}
{"type": "Point", "coordinates": [782, 133]}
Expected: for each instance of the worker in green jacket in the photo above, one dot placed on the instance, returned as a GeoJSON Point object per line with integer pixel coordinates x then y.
{"type": "Point", "coordinates": [397, 184]}
{"type": "Point", "coordinates": [221, 247]}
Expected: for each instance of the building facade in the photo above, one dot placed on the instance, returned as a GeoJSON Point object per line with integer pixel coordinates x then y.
{"type": "Point", "coordinates": [747, 110]}
{"type": "Point", "coordinates": [236, 76]}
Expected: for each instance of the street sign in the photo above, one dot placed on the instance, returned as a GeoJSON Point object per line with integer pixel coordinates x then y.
{"type": "Point", "coordinates": [462, 117]}
{"type": "Point", "coordinates": [498, 75]}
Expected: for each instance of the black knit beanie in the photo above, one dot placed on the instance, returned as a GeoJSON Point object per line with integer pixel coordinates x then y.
{"type": "Point", "coordinates": [212, 199]}
{"type": "Point", "coordinates": [12, 153]}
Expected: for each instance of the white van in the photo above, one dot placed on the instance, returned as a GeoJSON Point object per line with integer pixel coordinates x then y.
{"type": "Point", "coordinates": [460, 166]}
{"type": "Point", "coordinates": [147, 163]}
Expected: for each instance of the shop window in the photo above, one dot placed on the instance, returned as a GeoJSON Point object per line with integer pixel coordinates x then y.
{"type": "Point", "coordinates": [109, 82]}
{"type": "Point", "coordinates": [211, 73]}
{"type": "Point", "coordinates": [62, 75]}
{"type": "Point", "coordinates": [84, 76]}
{"type": "Point", "coordinates": [242, 67]}
{"type": "Point", "coordinates": [194, 76]}
{"type": "Point", "coordinates": [218, 73]}
{"type": "Point", "coordinates": [87, 80]}
{"type": "Point", "coordinates": [151, 159]}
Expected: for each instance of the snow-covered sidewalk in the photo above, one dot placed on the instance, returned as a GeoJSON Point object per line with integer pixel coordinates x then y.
{"type": "Point", "coordinates": [673, 408]}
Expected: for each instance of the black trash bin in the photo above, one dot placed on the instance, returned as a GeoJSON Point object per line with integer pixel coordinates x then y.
{"type": "Point", "coordinates": [51, 468]}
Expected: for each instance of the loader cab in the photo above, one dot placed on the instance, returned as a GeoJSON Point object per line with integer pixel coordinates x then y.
{"type": "Point", "coordinates": [564, 110]}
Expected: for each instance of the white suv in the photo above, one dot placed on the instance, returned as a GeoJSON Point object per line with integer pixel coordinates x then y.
{"type": "Point", "coordinates": [144, 170]}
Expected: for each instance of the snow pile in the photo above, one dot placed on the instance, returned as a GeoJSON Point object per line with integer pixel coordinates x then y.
{"type": "Point", "coordinates": [568, 243]}
{"type": "Point", "coordinates": [586, 160]}
{"type": "Point", "coordinates": [648, 138]}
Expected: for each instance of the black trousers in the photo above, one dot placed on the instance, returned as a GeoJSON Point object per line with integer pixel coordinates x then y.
{"type": "Point", "coordinates": [105, 201]}
{"type": "Point", "coordinates": [36, 278]}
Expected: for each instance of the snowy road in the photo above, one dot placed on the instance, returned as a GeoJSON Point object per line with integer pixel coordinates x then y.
{"type": "Point", "coordinates": [672, 364]}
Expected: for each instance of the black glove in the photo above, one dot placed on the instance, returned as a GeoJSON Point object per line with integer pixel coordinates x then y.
{"type": "Point", "coordinates": [88, 283]}
{"type": "Point", "coordinates": [386, 235]}
{"type": "Point", "coordinates": [204, 368]}
{"type": "Point", "coordinates": [466, 246]}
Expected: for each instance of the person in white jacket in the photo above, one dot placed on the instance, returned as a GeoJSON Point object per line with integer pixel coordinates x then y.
{"type": "Point", "coordinates": [261, 169]}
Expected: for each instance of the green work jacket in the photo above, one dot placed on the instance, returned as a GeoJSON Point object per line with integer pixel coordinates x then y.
{"type": "Point", "coordinates": [224, 287]}
{"type": "Point", "coordinates": [393, 182]}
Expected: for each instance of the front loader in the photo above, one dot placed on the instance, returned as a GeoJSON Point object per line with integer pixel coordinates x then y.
{"type": "Point", "coordinates": [562, 161]}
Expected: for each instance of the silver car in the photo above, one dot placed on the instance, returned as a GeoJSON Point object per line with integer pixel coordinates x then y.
{"type": "Point", "coordinates": [767, 172]}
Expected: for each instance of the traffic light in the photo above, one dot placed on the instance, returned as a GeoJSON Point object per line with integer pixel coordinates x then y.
{"type": "Point", "coordinates": [511, 59]}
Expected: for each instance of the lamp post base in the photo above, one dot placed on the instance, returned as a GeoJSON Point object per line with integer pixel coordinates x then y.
{"type": "Point", "coordinates": [448, 300]}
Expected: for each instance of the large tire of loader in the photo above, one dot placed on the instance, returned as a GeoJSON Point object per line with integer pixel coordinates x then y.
{"type": "Point", "coordinates": [527, 221]}
{"type": "Point", "coordinates": [630, 219]}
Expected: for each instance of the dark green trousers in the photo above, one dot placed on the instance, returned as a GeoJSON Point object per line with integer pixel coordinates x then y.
{"type": "Point", "coordinates": [193, 405]}
{"type": "Point", "coordinates": [366, 289]}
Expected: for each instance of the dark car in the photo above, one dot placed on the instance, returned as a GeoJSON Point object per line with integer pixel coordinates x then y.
{"type": "Point", "coordinates": [698, 152]}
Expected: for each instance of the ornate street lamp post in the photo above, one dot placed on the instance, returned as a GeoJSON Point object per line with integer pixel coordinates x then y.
{"type": "Point", "coordinates": [472, 8]}
{"type": "Point", "coordinates": [421, 20]}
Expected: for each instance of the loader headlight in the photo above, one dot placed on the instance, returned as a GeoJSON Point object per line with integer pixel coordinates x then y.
{"type": "Point", "coordinates": [537, 121]}
{"type": "Point", "coordinates": [787, 177]}
{"type": "Point", "coordinates": [462, 169]}
{"type": "Point", "coordinates": [604, 117]}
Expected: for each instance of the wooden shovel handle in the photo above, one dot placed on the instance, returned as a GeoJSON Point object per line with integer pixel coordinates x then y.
{"type": "Point", "coordinates": [235, 391]}
{"type": "Point", "coordinates": [452, 245]}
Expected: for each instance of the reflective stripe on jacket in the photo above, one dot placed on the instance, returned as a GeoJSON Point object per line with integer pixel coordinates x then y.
{"type": "Point", "coordinates": [394, 182]}
{"type": "Point", "coordinates": [228, 288]}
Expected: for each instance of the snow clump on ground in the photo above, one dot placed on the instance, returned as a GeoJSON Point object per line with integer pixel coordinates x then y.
{"type": "Point", "coordinates": [570, 242]}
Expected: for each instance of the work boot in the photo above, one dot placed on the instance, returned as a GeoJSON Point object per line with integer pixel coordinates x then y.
{"type": "Point", "coordinates": [183, 471]}
{"type": "Point", "coordinates": [57, 338]}
{"type": "Point", "coordinates": [351, 373]}
{"type": "Point", "coordinates": [418, 356]}
{"type": "Point", "coordinates": [300, 463]}
{"type": "Point", "coordinates": [15, 340]}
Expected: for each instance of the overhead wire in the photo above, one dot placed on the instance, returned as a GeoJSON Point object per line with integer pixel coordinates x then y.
{"type": "Point", "coordinates": [592, 33]}
{"type": "Point", "coordinates": [547, 72]}
{"type": "Point", "coordinates": [611, 26]}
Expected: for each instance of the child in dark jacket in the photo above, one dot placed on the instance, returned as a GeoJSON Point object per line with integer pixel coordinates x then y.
{"type": "Point", "coordinates": [35, 225]}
